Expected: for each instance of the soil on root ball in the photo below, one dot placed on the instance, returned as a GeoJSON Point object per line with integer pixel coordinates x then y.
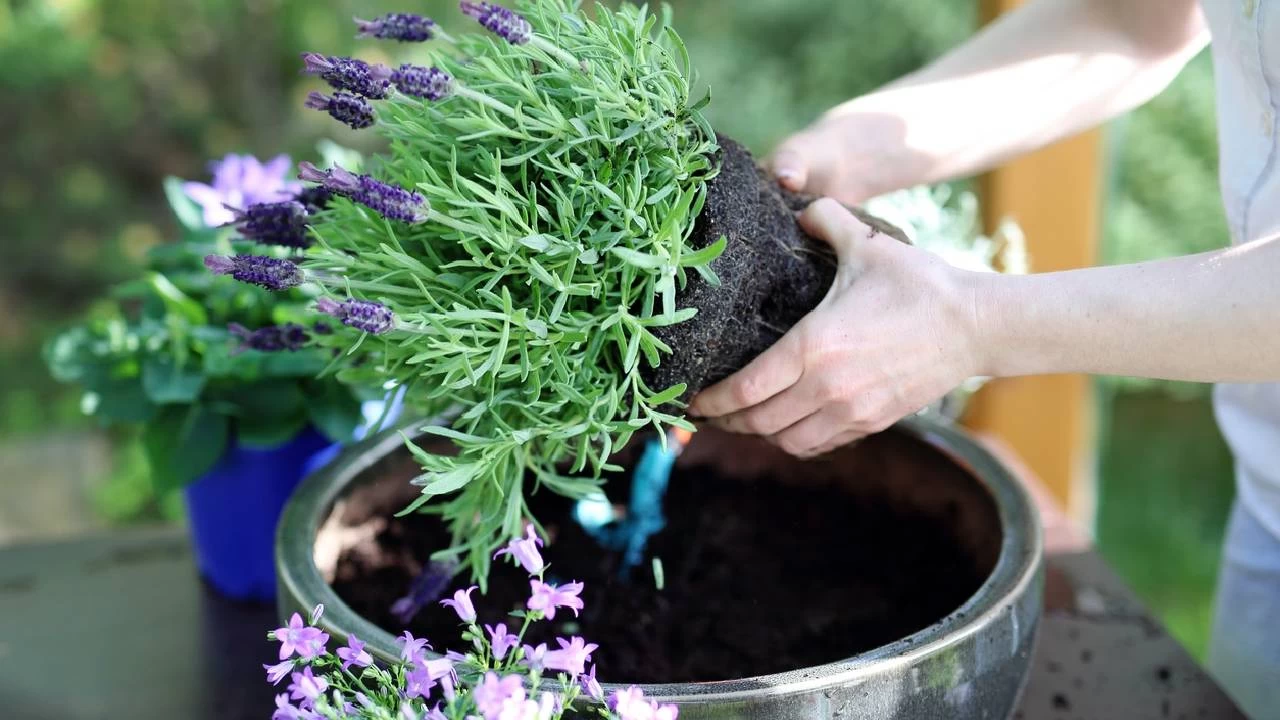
{"type": "Point", "coordinates": [771, 275]}
{"type": "Point", "coordinates": [770, 574]}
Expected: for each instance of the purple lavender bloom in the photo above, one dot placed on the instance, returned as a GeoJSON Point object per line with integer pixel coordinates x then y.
{"type": "Point", "coordinates": [493, 692]}
{"type": "Point", "coordinates": [272, 338]}
{"type": "Point", "coordinates": [394, 203]}
{"type": "Point", "coordinates": [424, 82]}
{"type": "Point", "coordinates": [525, 551]}
{"type": "Point", "coordinates": [238, 181]}
{"type": "Point", "coordinates": [307, 687]}
{"type": "Point", "coordinates": [405, 27]}
{"type": "Point", "coordinates": [278, 672]}
{"type": "Point", "coordinates": [461, 604]}
{"type": "Point", "coordinates": [502, 22]}
{"type": "Point", "coordinates": [500, 640]}
{"type": "Point", "coordinates": [267, 272]}
{"type": "Point", "coordinates": [546, 598]}
{"type": "Point", "coordinates": [354, 76]}
{"type": "Point", "coordinates": [354, 654]}
{"type": "Point", "coordinates": [591, 686]}
{"type": "Point", "coordinates": [366, 315]}
{"type": "Point", "coordinates": [411, 647]}
{"type": "Point", "coordinates": [572, 656]}
{"type": "Point", "coordinates": [314, 198]}
{"type": "Point", "coordinates": [276, 223]}
{"type": "Point", "coordinates": [308, 642]}
{"type": "Point", "coordinates": [344, 107]}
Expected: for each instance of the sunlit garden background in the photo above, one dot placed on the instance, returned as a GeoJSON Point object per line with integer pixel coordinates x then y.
{"type": "Point", "coordinates": [104, 99]}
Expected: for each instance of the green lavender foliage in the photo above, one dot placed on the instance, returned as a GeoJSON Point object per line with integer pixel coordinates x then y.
{"type": "Point", "coordinates": [564, 176]}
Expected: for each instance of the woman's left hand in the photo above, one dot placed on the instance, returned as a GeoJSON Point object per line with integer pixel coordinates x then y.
{"type": "Point", "coordinates": [898, 330]}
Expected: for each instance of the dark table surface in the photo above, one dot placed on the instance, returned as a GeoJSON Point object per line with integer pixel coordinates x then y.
{"type": "Point", "coordinates": [120, 626]}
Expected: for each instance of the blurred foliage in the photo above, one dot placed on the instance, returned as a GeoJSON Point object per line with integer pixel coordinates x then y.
{"type": "Point", "coordinates": [104, 98]}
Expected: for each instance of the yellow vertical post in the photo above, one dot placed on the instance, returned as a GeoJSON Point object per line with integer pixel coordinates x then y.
{"type": "Point", "coordinates": [1054, 195]}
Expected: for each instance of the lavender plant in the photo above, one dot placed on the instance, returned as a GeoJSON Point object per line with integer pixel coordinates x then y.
{"type": "Point", "coordinates": [498, 677]}
{"type": "Point", "coordinates": [510, 253]}
{"type": "Point", "coordinates": [201, 360]}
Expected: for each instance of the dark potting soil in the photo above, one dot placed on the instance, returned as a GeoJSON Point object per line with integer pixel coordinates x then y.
{"type": "Point", "coordinates": [760, 576]}
{"type": "Point", "coordinates": [771, 275]}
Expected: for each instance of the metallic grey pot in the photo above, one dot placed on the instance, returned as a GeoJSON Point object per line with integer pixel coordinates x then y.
{"type": "Point", "coordinates": [970, 664]}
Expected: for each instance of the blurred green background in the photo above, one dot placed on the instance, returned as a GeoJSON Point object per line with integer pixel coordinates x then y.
{"type": "Point", "coordinates": [103, 98]}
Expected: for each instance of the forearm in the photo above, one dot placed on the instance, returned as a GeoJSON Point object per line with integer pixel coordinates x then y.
{"type": "Point", "coordinates": [1040, 73]}
{"type": "Point", "coordinates": [1212, 317]}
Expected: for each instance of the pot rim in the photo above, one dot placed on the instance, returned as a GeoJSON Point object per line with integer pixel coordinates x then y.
{"type": "Point", "coordinates": [1017, 569]}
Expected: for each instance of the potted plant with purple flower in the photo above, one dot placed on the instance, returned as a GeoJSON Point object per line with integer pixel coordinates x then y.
{"type": "Point", "coordinates": [495, 674]}
{"type": "Point", "coordinates": [222, 376]}
{"type": "Point", "coordinates": [552, 253]}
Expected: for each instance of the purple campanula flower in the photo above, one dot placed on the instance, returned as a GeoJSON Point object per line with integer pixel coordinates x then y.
{"type": "Point", "coordinates": [267, 272]}
{"type": "Point", "coordinates": [307, 642]}
{"type": "Point", "coordinates": [521, 707]}
{"type": "Point", "coordinates": [461, 604]}
{"type": "Point", "coordinates": [493, 691]}
{"type": "Point", "coordinates": [435, 714]}
{"type": "Point", "coordinates": [405, 27]}
{"type": "Point", "coordinates": [504, 23]}
{"type": "Point", "coordinates": [278, 672]}
{"type": "Point", "coordinates": [525, 551]}
{"type": "Point", "coordinates": [631, 704]}
{"type": "Point", "coordinates": [286, 711]}
{"type": "Point", "coordinates": [500, 640]}
{"type": "Point", "coordinates": [418, 683]}
{"type": "Point", "coordinates": [239, 181]}
{"type": "Point", "coordinates": [346, 108]}
{"type": "Point", "coordinates": [354, 76]}
{"type": "Point", "coordinates": [411, 647]}
{"type": "Point", "coordinates": [591, 686]}
{"type": "Point", "coordinates": [354, 654]}
{"type": "Point", "coordinates": [546, 598]}
{"type": "Point", "coordinates": [394, 203]}
{"type": "Point", "coordinates": [424, 82]}
{"type": "Point", "coordinates": [572, 656]}
{"type": "Point", "coordinates": [366, 315]}
{"type": "Point", "coordinates": [281, 223]}
{"type": "Point", "coordinates": [535, 656]}
{"type": "Point", "coordinates": [306, 687]}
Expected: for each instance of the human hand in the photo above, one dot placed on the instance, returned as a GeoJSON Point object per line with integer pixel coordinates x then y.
{"type": "Point", "coordinates": [897, 330]}
{"type": "Point", "coordinates": [852, 154]}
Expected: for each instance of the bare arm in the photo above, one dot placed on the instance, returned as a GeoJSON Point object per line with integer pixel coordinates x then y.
{"type": "Point", "coordinates": [900, 328]}
{"type": "Point", "coordinates": [1045, 71]}
{"type": "Point", "coordinates": [1212, 317]}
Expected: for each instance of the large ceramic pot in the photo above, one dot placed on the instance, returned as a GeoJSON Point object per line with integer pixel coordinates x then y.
{"type": "Point", "coordinates": [971, 663]}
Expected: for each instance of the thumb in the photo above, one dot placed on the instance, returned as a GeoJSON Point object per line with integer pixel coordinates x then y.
{"type": "Point", "coordinates": [794, 162]}
{"type": "Point", "coordinates": [831, 222]}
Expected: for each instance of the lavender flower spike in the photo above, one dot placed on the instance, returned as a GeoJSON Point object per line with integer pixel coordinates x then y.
{"type": "Point", "coordinates": [504, 23]}
{"type": "Point", "coordinates": [366, 315]}
{"type": "Point", "coordinates": [274, 223]}
{"type": "Point", "coordinates": [271, 338]}
{"type": "Point", "coordinates": [424, 82]}
{"type": "Point", "coordinates": [344, 107]}
{"type": "Point", "coordinates": [267, 272]}
{"type": "Point", "coordinates": [350, 74]}
{"type": "Point", "coordinates": [405, 27]}
{"type": "Point", "coordinates": [394, 203]}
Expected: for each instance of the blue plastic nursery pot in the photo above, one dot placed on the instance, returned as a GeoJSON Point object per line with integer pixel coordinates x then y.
{"type": "Point", "coordinates": [233, 509]}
